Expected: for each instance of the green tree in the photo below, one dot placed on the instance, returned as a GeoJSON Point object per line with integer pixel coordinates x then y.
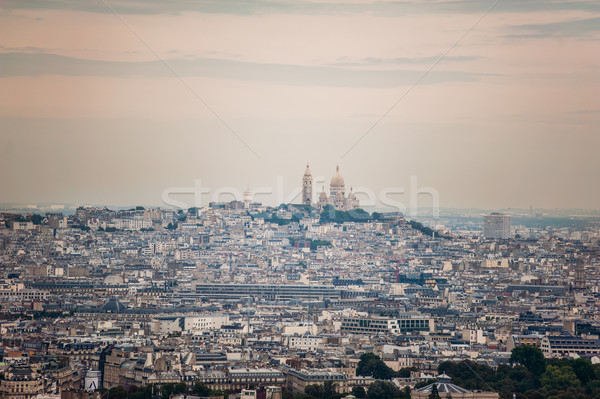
{"type": "Point", "coordinates": [180, 388]}
{"type": "Point", "coordinates": [331, 215]}
{"type": "Point", "coordinates": [583, 369]}
{"type": "Point", "coordinates": [593, 388]}
{"type": "Point", "coordinates": [200, 389]}
{"type": "Point", "coordinates": [325, 391]}
{"type": "Point", "coordinates": [465, 374]}
{"type": "Point", "coordinates": [314, 390]}
{"type": "Point", "coordinates": [568, 393]}
{"type": "Point", "coordinates": [405, 372]}
{"type": "Point", "coordinates": [530, 357]}
{"type": "Point", "coordinates": [328, 214]}
{"type": "Point", "coordinates": [140, 393]}
{"type": "Point", "coordinates": [359, 392]}
{"type": "Point", "coordinates": [382, 390]}
{"type": "Point", "coordinates": [218, 393]}
{"type": "Point", "coordinates": [167, 390]}
{"type": "Point", "coordinates": [117, 393]}
{"type": "Point", "coordinates": [514, 379]}
{"type": "Point", "coordinates": [560, 378]}
{"type": "Point", "coordinates": [314, 244]}
{"type": "Point", "coordinates": [434, 392]}
{"type": "Point", "coordinates": [359, 214]}
{"type": "Point", "coordinates": [329, 389]}
{"type": "Point", "coordinates": [536, 394]}
{"type": "Point", "coordinates": [371, 365]}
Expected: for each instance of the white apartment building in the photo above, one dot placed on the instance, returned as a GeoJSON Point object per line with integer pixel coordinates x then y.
{"type": "Point", "coordinates": [496, 226]}
{"type": "Point", "coordinates": [305, 342]}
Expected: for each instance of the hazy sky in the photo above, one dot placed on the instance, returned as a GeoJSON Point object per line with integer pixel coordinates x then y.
{"type": "Point", "coordinates": [111, 107]}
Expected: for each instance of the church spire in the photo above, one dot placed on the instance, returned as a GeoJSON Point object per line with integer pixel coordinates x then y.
{"type": "Point", "coordinates": [307, 171]}
{"type": "Point", "coordinates": [307, 189]}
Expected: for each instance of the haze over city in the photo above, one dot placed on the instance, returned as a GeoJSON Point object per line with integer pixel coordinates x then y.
{"type": "Point", "coordinates": [108, 102]}
{"type": "Point", "coordinates": [299, 199]}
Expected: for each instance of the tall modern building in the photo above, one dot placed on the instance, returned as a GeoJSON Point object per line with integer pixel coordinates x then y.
{"type": "Point", "coordinates": [496, 226]}
{"type": "Point", "coordinates": [307, 190]}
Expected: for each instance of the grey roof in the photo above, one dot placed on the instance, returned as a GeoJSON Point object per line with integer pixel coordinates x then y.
{"type": "Point", "coordinates": [443, 387]}
{"type": "Point", "coordinates": [113, 306]}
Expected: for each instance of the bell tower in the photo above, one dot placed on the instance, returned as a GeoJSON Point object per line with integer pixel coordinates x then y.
{"type": "Point", "coordinates": [307, 187]}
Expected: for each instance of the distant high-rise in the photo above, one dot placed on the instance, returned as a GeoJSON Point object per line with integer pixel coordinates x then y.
{"type": "Point", "coordinates": [307, 182]}
{"type": "Point", "coordinates": [248, 196]}
{"type": "Point", "coordinates": [496, 225]}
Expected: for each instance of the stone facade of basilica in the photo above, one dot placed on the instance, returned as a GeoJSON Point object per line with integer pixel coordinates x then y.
{"type": "Point", "coordinates": [337, 193]}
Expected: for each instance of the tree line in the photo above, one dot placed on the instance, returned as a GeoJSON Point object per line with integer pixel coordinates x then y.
{"type": "Point", "coordinates": [529, 375]}
{"type": "Point", "coordinates": [162, 391]}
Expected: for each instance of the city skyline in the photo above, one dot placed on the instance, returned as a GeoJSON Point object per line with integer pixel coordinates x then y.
{"type": "Point", "coordinates": [494, 105]}
{"type": "Point", "coordinates": [299, 199]}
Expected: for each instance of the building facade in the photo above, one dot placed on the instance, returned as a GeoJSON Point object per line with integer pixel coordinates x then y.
{"type": "Point", "coordinates": [271, 292]}
{"type": "Point", "coordinates": [20, 382]}
{"type": "Point", "coordinates": [371, 325]}
{"type": "Point", "coordinates": [496, 226]}
{"type": "Point", "coordinates": [337, 192]}
{"type": "Point", "coordinates": [562, 346]}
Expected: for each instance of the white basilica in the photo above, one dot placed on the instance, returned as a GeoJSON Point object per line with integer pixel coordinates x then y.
{"type": "Point", "coordinates": [337, 192]}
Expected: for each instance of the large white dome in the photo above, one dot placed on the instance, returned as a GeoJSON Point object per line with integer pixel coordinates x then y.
{"type": "Point", "coordinates": [337, 180]}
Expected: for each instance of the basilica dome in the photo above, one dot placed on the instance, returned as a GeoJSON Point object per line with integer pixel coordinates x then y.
{"type": "Point", "coordinates": [337, 180]}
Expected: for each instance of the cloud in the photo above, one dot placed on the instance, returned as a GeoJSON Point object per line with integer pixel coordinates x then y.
{"type": "Point", "coordinates": [573, 28]}
{"type": "Point", "coordinates": [584, 112]}
{"type": "Point", "coordinates": [381, 8]}
{"type": "Point", "coordinates": [517, 6]}
{"type": "Point", "coordinates": [345, 61]}
{"type": "Point", "coordinates": [26, 49]}
{"type": "Point", "coordinates": [27, 64]}
{"type": "Point", "coordinates": [176, 7]}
